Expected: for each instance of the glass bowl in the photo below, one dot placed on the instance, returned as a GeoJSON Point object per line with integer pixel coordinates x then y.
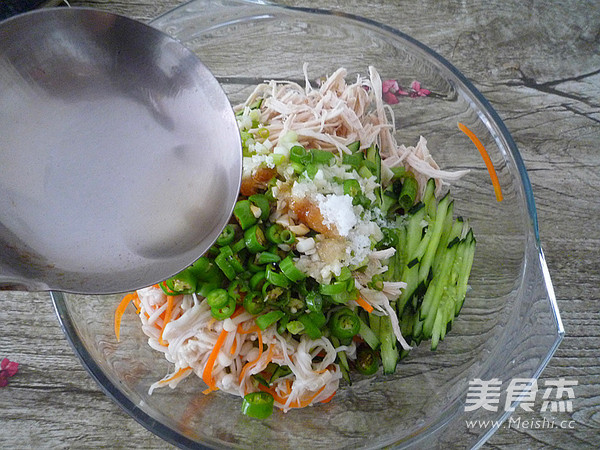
{"type": "Point", "coordinates": [509, 326]}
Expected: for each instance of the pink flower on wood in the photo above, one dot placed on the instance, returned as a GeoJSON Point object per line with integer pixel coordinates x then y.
{"type": "Point", "coordinates": [7, 369]}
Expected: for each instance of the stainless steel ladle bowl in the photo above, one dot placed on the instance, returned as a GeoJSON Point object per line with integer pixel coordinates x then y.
{"type": "Point", "coordinates": [120, 158]}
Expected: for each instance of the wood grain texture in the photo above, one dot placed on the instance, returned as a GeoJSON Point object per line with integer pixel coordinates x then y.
{"type": "Point", "coordinates": [538, 63]}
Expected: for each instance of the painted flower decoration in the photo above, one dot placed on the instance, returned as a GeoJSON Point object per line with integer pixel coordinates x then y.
{"type": "Point", "coordinates": [392, 91]}
{"type": "Point", "coordinates": [7, 369]}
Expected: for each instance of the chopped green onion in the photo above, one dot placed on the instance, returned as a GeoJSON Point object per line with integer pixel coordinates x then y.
{"type": "Point", "coordinates": [408, 193]}
{"type": "Point", "coordinates": [321, 156]}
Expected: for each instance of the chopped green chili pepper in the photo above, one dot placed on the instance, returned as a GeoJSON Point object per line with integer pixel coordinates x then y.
{"type": "Point", "coordinates": [257, 280]}
{"type": "Point", "coordinates": [274, 294]}
{"type": "Point", "coordinates": [206, 287]}
{"type": "Point", "coordinates": [273, 234]}
{"type": "Point", "coordinates": [314, 301]}
{"type": "Point", "coordinates": [238, 246]}
{"type": "Point", "coordinates": [238, 290]}
{"type": "Point", "coordinates": [258, 405]}
{"type": "Point", "coordinates": [253, 303]}
{"type": "Point", "coordinates": [287, 237]}
{"type": "Point", "coordinates": [243, 214]}
{"type": "Point", "coordinates": [336, 287]}
{"type": "Point", "coordinates": [263, 203]}
{"type": "Point", "coordinates": [224, 312]}
{"type": "Point", "coordinates": [184, 282]}
{"type": "Point", "coordinates": [282, 325]}
{"type": "Point", "coordinates": [276, 278]}
{"type": "Point", "coordinates": [310, 328]}
{"type": "Point", "coordinates": [200, 267]}
{"type": "Point", "coordinates": [280, 372]}
{"type": "Point", "coordinates": [290, 270]}
{"type": "Point", "coordinates": [294, 307]}
{"type": "Point", "coordinates": [344, 324]}
{"type": "Point", "coordinates": [367, 362]}
{"type": "Point", "coordinates": [254, 237]}
{"type": "Point", "coordinates": [225, 266]}
{"type": "Point", "coordinates": [217, 298]}
{"type": "Point", "coordinates": [267, 258]}
{"type": "Point", "coordinates": [266, 320]}
{"type": "Point", "coordinates": [318, 318]}
{"type": "Point", "coordinates": [227, 235]}
{"type": "Point", "coordinates": [295, 327]}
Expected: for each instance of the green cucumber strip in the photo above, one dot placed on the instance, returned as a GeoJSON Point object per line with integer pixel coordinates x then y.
{"type": "Point", "coordinates": [437, 327]}
{"type": "Point", "coordinates": [431, 301]}
{"type": "Point", "coordinates": [375, 325]}
{"type": "Point", "coordinates": [368, 335]}
{"type": "Point", "coordinates": [389, 350]}
{"type": "Point", "coordinates": [427, 259]}
{"type": "Point", "coordinates": [429, 198]}
{"type": "Point", "coordinates": [465, 270]}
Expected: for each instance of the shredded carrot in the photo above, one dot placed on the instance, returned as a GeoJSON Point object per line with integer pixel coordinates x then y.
{"type": "Point", "coordinates": [167, 318]}
{"type": "Point", "coordinates": [486, 159]}
{"type": "Point", "coordinates": [121, 310]}
{"type": "Point", "coordinates": [208, 368]}
{"type": "Point", "coordinates": [253, 362]}
{"type": "Point", "coordinates": [362, 303]}
{"type": "Point", "coordinates": [295, 404]}
{"type": "Point", "coordinates": [233, 346]}
{"type": "Point", "coordinates": [328, 399]}
{"type": "Point", "coordinates": [253, 329]}
{"type": "Point", "coordinates": [237, 312]}
{"type": "Point", "coordinates": [177, 374]}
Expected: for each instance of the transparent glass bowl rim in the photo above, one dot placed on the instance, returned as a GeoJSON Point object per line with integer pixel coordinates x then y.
{"type": "Point", "coordinates": [172, 436]}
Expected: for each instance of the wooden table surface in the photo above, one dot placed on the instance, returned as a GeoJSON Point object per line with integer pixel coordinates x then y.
{"type": "Point", "coordinates": [539, 65]}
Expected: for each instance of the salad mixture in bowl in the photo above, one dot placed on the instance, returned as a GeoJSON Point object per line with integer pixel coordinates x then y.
{"type": "Point", "coordinates": [342, 253]}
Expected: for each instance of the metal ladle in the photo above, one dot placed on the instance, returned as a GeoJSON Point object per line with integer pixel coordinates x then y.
{"type": "Point", "coordinates": [120, 157]}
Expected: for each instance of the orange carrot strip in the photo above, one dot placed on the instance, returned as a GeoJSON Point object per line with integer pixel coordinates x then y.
{"type": "Point", "coordinates": [328, 399]}
{"type": "Point", "coordinates": [176, 374]}
{"type": "Point", "coordinates": [283, 400]}
{"type": "Point", "coordinates": [233, 346]}
{"type": "Point", "coordinates": [253, 329]}
{"type": "Point", "coordinates": [166, 319]}
{"type": "Point", "coordinates": [252, 363]}
{"type": "Point", "coordinates": [486, 159]}
{"type": "Point", "coordinates": [120, 311]}
{"type": "Point", "coordinates": [237, 312]}
{"type": "Point", "coordinates": [207, 373]}
{"type": "Point", "coordinates": [362, 303]}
